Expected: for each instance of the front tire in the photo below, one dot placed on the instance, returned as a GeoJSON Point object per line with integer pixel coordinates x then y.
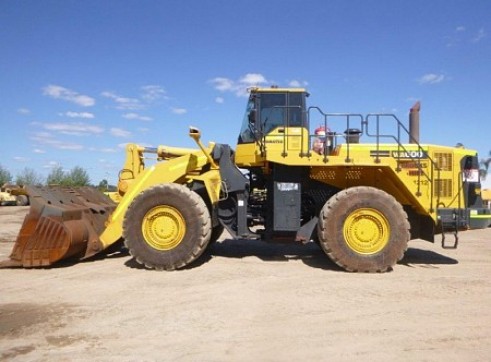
{"type": "Point", "coordinates": [363, 229]}
{"type": "Point", "coordinates": [167, 227]}
{"type": "Point", "coordinates": [22, 200]}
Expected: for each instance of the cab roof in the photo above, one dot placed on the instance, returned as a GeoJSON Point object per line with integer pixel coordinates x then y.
{"type": "Point", "coordinates": [275, 89]}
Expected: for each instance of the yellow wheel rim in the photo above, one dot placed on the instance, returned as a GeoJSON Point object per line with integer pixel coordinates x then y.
{"type": "Point", "coordinates": [366, 231]}
{"type": "Point", "coordinates": [163, 227]}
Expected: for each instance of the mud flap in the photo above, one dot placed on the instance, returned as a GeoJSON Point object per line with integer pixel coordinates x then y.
{"type": "Point", "coordinates": [62, 223]}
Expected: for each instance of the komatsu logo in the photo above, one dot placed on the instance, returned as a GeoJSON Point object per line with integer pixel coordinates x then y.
{"type": "Point", "coordinates": [410, 154]}
{"type": "Point", "coordinates": [273, 141]}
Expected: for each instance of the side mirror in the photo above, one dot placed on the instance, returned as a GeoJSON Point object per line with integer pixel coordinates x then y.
{"type": "Point", "coordinates": [252, 116]}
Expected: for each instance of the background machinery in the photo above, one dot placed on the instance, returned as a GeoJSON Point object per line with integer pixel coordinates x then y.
{"type": "Point", "coordinates": [6, 198]}
{"type": "Point", "coordinates": [13, 195]}
{"type": "Point", "coordinates": [360, 201]}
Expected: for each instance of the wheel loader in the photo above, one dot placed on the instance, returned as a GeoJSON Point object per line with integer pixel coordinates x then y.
{"type": "Point", "coordinates": [17, 192]}
{"type": "Point", "coordinates": [361, 197]}
{"type": "Point", "coordinates": [6, 198]}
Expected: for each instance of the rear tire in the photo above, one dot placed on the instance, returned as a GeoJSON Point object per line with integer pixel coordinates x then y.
{"type": "Point", "coordinates": [167, 227]}
{"type": "Point", "coordinates": [22, 200]}
{"type": "Point", "coordinates": [363, 229]}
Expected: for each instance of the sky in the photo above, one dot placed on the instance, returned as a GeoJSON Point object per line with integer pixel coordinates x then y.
{"type": "Point", "coordinates": [80, 79]}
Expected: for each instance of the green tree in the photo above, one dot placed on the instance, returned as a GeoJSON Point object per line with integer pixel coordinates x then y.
{"type": "Point", "coordinates": [56, 176]}
{"type": "Point", "coordinates": [79, 177]}
{"type": "Point", "coordinates": [103, 185]}
{"type": "Point", "coordinates": [29, 177]}
{"type": "Point", "coordinates": [5, 176]}
{"type": "Point", "coordinates": [484, 166]}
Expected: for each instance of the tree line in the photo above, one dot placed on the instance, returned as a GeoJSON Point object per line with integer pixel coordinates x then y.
{"type": "Point", "coordinates": [484, 166]}
{"type": "Point", "coordinates": [77, 176]}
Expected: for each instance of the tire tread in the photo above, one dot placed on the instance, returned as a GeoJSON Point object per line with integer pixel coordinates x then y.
{"type": "Point", "coordinates": [195, 202]}
{"type": "Point", "coordinates": [329, 212]}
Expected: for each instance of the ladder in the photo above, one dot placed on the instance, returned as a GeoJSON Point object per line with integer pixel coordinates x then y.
{"type": "Point", "coordinates": [451, 221]}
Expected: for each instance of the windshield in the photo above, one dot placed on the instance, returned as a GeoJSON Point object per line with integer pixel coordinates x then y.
{"type": "Point", "coordinates": [274, 110]}
{"type": "Point", "coordinates": [246, 131]}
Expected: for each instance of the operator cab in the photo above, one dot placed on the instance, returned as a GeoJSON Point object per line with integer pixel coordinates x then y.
{"type": "Point", "coordinates": [272, 111]}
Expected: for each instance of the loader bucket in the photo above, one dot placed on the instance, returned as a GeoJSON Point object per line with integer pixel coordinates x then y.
{"type": "Point", "coordinates": [62, 223]}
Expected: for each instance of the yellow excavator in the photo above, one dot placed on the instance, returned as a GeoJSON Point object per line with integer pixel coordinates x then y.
{"type": "Point", "coordinates": [362, 195]}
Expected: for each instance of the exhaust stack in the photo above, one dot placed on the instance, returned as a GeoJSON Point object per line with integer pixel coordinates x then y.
{"type": "Point", "coordinates": [414, 123]}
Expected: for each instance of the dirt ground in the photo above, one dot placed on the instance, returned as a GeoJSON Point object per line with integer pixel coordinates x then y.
{"type": "Point", "coordinates": [249, 301]}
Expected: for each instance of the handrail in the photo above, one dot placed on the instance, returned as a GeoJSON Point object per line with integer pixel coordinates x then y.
{"type": "Point", "coordinates": [378, 135]}
{"type": "Point", "coordinates": [335, 135]}
{"type": "Point", "coordinates": [364, 122]}
{"type": "Point", "coordinates": [401, 147]}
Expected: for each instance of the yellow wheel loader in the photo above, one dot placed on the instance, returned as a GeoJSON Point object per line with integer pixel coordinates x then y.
{"type": "Point", "coordinates": [362, 195]}
{"type": "Point", "coordinates": [13, 195]}
{"type": "Point", "coordinates": [20, 193]}
{"type": "Point", "coordinates": [6, 198]}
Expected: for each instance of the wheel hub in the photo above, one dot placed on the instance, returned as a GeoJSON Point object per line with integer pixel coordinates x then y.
{"type": "Point", "coordinates": [366, 231]}
{"type": "Point", "coordinates": [163, 227]}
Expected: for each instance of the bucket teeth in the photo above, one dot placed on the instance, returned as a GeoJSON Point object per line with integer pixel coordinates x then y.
{"type": "Point", "coordinates": [62, 223]}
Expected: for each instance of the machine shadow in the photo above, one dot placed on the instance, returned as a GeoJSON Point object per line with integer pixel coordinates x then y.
{"type": "Point", "coordinates": [415, 256]}
{"type": "Point", "coordinates": [310, 254]}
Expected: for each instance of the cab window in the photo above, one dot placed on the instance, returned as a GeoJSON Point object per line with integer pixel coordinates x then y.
{"type": "Point", "coordinates": [270, 111]}
{"type": "Point", "coordinates": [247, 130]}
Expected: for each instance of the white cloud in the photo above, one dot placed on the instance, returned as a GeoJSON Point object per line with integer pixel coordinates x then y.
{"type": "Point", "coordinates": [108, 150]}
{"type": "Point", "coordinates": [297, 83]}
{"type": "Point", "coordinates": [46, 138]}
{"type": "Point", "coordinates": [86, 115]}
{"type": "Point", "coordinates": [479, 36]}
{"type": "Point", "coordinates": [152, 93]}
{"type": "Point", "coordinates": [219, 100]}
{"type": "Point", "coordinates": [44, 134]}
{"type": "Point", "coordinates": [148, 94]}
{"type": "Point", "coordinates": [462, 35]}
{"type": "Point", "coordinates": [21, 159]}
{"type": "Point", "coordinates": [38, 150]}
{"type": "Point", "coordinates": [67, 146]}
{"type": "Point", "coordinates": [457, 37]}
{"type": "Point", "coordinates": [137, 116]}
{"type": "Point", "coordinates": [253, 79]}
{"type": "Point", "coordinates": [223, 84]}
{"type": "Point", "coordinates": [59, 92]}
{"type": "Point", "coordinates": [240, 86]}
{"type": "Point", "coordinates": [179, 110]}
{"type": "Point", "coordinates": [142, 144]}
{"type": "Point", "coordinates": [119, 132]}
{"type": "Point", "coordinates": [432, 78]}
{"type": "Point", "coordinates": [124, 103]}
{"type": "Point", "coordinates": [75, 129]}
{"type": "Point", "coordinates": [51, 164]}
{"type": "Point", "coordinates": [23, 111]}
